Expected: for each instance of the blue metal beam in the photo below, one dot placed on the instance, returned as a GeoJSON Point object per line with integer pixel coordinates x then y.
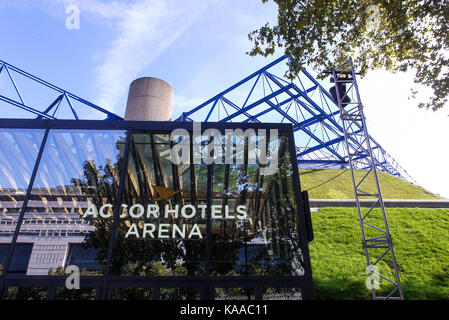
{"type": "Point", "coordinates": [318, 147]}
{"type": "Point", "coordinates": [257, 73]}
{"type": "Point", "coordinates": [315, 107]}
{"type": "Point", "coordinates": [54, 103]}
{"type": "Point", "coordinates": [232, 104]}
{"type": "Point", "coordinates": [295, 123]}
{"type": "Point", "coordinates": [68, 95]}
{"type": "Point", "coordinates": [330, 162]}
{"type": "Point", "coordinates": [255, 104]}
{"type": "Point", "coordinates": [24, 107]}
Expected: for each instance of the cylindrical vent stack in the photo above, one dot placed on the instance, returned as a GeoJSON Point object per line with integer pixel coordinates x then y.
{"type": "Point", "coordinates": [149, 99]}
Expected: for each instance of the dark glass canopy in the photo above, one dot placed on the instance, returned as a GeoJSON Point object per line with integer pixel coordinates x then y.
{"type": "Point", "coordinates": [110, 198]}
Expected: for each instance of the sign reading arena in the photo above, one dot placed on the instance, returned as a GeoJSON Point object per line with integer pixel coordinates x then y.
{"type": "Point", "coordinates": [156, 230]}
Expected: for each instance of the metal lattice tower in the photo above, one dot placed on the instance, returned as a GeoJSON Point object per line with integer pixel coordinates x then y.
{"type": "Point", "coordinates": [376, 238]}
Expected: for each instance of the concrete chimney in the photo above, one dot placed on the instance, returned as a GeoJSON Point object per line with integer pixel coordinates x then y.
{"type": "Point", "coordinates": [149, 99]}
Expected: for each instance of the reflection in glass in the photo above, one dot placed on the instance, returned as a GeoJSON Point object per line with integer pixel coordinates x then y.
{"type": "Point", "coordinates": [265, 241]}
{"type": "Point", "coordinates": [78, 294]}
{"type": "Point", "coordinates": [26, 293]}
{"type": "Point", "coordinates": [282, 294]}
{"type": "Point", "coordinates": [78, 168]}
{"type": "Point", "coordinates": [234, 294]}
{"type": "Point", "coordinates": [180, 294]}
{"type": "Point", "coordinates": [83, 258]}
{"type": "Point", "coordinates": [162, 226]}
{"type": "Point", "coordinates": [18, 152]}
{"type": "Point", "coordinates": [20, 258]}
{"type": "Point", "coordinates": [131, 294]}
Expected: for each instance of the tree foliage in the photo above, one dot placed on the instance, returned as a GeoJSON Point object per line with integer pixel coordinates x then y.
{"type": "Point", "coordinates": [391, 34]}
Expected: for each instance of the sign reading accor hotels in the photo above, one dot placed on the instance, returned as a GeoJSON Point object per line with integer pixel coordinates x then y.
{"type": "Point", "coordinates": [157, 230]}
{"type": "Point", "coordinates": [209, 147]}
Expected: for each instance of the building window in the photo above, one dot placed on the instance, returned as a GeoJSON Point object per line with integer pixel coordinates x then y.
{"type": "Point", "coordinates": [83, 258]}
{"type": "Point", "coordinates": [20, 259]}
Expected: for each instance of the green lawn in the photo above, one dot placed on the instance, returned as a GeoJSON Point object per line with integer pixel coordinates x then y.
{"type": "Point", "coordinates": [421, 238]}
{"type": "Point", "coordinates": [341, 187]}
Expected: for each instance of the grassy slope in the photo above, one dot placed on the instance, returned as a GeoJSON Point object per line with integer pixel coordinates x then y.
{"type": "Point", "coordinates": [421, 239]}
{"type": "Point", "coordinates": [341, 187]}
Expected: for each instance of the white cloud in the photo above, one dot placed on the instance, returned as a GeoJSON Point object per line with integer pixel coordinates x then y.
{"type": "Point", "coordinates": [145, 30]}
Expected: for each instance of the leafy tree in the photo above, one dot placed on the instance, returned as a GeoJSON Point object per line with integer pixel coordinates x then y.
{"type": "Point", "coordinates": [396, 35]}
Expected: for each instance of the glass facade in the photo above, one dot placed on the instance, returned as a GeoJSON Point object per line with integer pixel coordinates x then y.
{"type": "Point", "coordinates": [147, 212]}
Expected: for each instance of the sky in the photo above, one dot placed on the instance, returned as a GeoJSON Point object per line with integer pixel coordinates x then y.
{"type": "Point", "coordinates": [199, 47]}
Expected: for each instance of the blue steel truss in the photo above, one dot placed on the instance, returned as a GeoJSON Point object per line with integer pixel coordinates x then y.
{"type": "Point", "coordinates": [264, 96]}
{"type": "Point", "coordinates": [18, 88]}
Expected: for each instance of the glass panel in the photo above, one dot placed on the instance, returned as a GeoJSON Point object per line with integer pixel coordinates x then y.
{"type": "Point", "coordinates": [18, 153]}
{"type": "Point", "coordinates": [162, 226]}
{"type": "Point", "coordinates": [254, 213]}
{"type": "Point", "coordinates": [78, 175]}
{"type": "Point", "coordinates": [20, 259]}
{"type": "Point", "coordinates": [234, 293]}
{"type": "Point", "coordinates": [84, 258]}
{"type": "Point", "coordinates": [180, 294]}
{"type": "Point", "coordinates": [76, 294]}
{"type": "Point", "coordinates": [25, 293]}
{"type": "Point", "coordinates": [131, 294]}
{"type": "Point", "coordinates": [282, 294]}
